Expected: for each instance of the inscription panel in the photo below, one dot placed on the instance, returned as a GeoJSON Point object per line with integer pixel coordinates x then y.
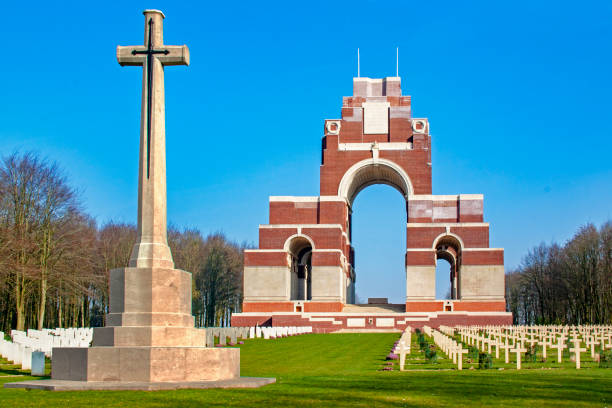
{"type": "Point", "coordinates": [375, 118]}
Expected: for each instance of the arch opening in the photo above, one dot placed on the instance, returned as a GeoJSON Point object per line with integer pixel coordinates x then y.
{"type": "Point", "coordinates": [374, 171]}
{"type": "Point", "coordinates": [378, 236]}
{"type": "Point", "coordinates": [448, 249]}
{"type": "Point", "coordinates": [299, 249]}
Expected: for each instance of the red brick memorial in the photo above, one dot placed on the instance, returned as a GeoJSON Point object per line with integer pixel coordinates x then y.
{"type": "Point", "coordinates": [303, 272]}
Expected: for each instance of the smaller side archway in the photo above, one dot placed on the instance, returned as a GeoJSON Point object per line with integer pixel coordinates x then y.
{"type": "Point", "coordinates": [299, 249]}
{"type": "Point", "coordinates": [448, 247]}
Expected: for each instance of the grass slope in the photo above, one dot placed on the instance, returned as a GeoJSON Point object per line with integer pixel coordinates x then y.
{"type": "Point", "coordinates": [343, 370]}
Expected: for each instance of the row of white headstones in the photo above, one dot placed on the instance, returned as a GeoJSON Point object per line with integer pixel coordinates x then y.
{"type": "Point", "coordinates": [453, 349]}
{"type": "Point", "coordinates": [44, 340]}
{"type": "Point", "coordinates": [403, 346]}
{"type": "Point", "coordinates": [274, 332]}
{"type": "Point", "coordinates": [513, 339]}
{"type": "Point", "coordinates": [252, 332]}
{"type": "Point", "coordinates": [29, 349]}
{"type": "Point", "coordinates": [19, 354]}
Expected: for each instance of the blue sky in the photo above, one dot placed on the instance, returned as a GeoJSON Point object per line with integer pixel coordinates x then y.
{"type": "Point", "coordinates": [517, 94]}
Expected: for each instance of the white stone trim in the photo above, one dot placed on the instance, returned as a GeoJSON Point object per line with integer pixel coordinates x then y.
{"type": "Point", "coordinates": [288, 241]}
{"type": "Point", "coordinates": [406, 315]}
{"type": "Point", "coordinates": [154, 11]}
{"type": "Point", "coordinates": [304, 199]}
{"type": "Point", "coordinates": [448, 234]}
{"type": "Point", "coordinates": [355, 322]}
{"type": "Point", "coordinates": [300, 226]}
{"type": "Point", "coordinates": [345, 235]}
{"type": "Point", "coordinates": [331, 198]}
{"type": "Point", "coordinates": [368, 146]}
{"type": "Point", "coordinates": [349, 175]}
{"type": "Point", "coordinates": [446, 224]}
{"type": "Point", "coordinates": [447, 197]}
{"type": "Point", "coordinates": [329, 122]}
{"type": "Point", "coordinates": [464, 249]}
{"type": "Point", "coordinates": [264, 250]}
{"type": "Point", "coordinates": [423, 122]}
{"type": "Point", "coordinates": [471, 196]}
{"type": "Point", "coordinates": [385, 322]}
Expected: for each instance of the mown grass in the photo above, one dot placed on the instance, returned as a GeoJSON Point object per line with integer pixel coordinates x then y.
{"type": "Point", "coordinates": [344, 370]}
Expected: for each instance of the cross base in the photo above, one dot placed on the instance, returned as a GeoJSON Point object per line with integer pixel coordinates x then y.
{"type": "Point", "coordinates": [145, 364]}
{"type": "Point", "coordinates": [62, 385]}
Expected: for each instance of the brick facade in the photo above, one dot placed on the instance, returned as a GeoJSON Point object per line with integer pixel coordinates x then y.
{"type": "Point", "coordinates": [307, 244]}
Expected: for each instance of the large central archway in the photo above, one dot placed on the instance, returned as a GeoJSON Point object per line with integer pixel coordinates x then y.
{"type": "Point", "coordinates": [378, 237]}
{"type": "Point", "coordinates": [362, 175]}
{"type": "Point", "coordinates": [373, 171]}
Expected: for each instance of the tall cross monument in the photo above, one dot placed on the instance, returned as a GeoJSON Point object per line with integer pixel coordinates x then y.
{"type": "Point", "coordinates": [149, 341]}
{"type": "Point", "coordinates": [151, 248]}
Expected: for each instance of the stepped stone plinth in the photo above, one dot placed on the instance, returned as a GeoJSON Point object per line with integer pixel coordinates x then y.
{"type": "Point", "coordinates": [149, 337]}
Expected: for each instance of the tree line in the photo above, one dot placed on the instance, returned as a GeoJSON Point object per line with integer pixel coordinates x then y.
{"type": "Point", "coordinates": [55, 260]}
{"type": "Point", "coordinates": [565, 284]}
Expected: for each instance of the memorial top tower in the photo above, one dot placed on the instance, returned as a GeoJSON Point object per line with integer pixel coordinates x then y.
{"type": "Point", "coordinates": [376, 126]}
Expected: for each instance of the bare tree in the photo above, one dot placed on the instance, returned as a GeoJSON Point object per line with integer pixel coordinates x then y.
{"type": "Point", "coordinates": [23, 185]}
{"type": "Point", "coordinates": [114, 246]}
{"type": "Point", "coordinates": [55, 261]}
{"type": "Point", "coordinates": [570, 284]}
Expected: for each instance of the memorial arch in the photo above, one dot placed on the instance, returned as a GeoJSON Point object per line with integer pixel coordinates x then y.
{"type": "Point", "coordinates": [373, 171]}
{"type": "Point", "coordinates": [293, 279]}
{"type": "Point", "coordinates": [359, 177]}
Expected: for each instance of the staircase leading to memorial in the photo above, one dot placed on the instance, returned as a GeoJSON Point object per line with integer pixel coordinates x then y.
{"type": "Point", "coordinates": [373, 309]}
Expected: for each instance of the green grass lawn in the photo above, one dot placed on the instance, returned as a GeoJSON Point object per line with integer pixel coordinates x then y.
{"type": "Point", "coordinates": [345, 370]}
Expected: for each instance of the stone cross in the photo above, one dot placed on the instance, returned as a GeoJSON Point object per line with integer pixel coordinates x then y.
{"type": "Point", "coordinates": [559, 346]}
{"type": "Point", "coordinates": [602, 341]}
{"type": "Point", "coordinates": [497, 343]}
{"type": "Point", "coordinates": [402, 353]}
{"type": "Point", "coordinates": [543, 343]}
{"type": "Point", "coordinates": [460, 352]}
{"type": "Point", "coordinates": [518, 349]}
{"type": "Point", "coordinates": [506, 346]}
{"type": "Point", "coordinates": [592, 342]}
{"type": "Point", "coordinates": [577, 350]}
{"type": "Point", "coordinates": [531, 340]}
{"type": "Point", "coordinates": [151, 249]}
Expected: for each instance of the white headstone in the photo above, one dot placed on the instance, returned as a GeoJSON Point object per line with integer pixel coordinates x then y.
{"type": "Point", "coordinates": [38, 363]}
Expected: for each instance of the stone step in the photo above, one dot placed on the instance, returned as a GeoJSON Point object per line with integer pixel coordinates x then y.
{"type": "Point", "coordinates": [389, 308]}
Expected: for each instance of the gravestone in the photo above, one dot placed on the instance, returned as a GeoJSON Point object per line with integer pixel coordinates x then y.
{"type": "Point", "coordinates": [17, 354]}
{"type": "Point", "coordinates": [26, 358]}
{"type": "Point", "coordinates": [38, 363]}
{"type": "Point", "coordinates": [210, 338]}
{"type": "Point", "coordinates": [559, 346]}
{"type": "Point", "coordinates": [577, 350]}
{"type": "Point", "coordinates": [518, 349]}
{"type": "Point", "coordinates": [460, 352]}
